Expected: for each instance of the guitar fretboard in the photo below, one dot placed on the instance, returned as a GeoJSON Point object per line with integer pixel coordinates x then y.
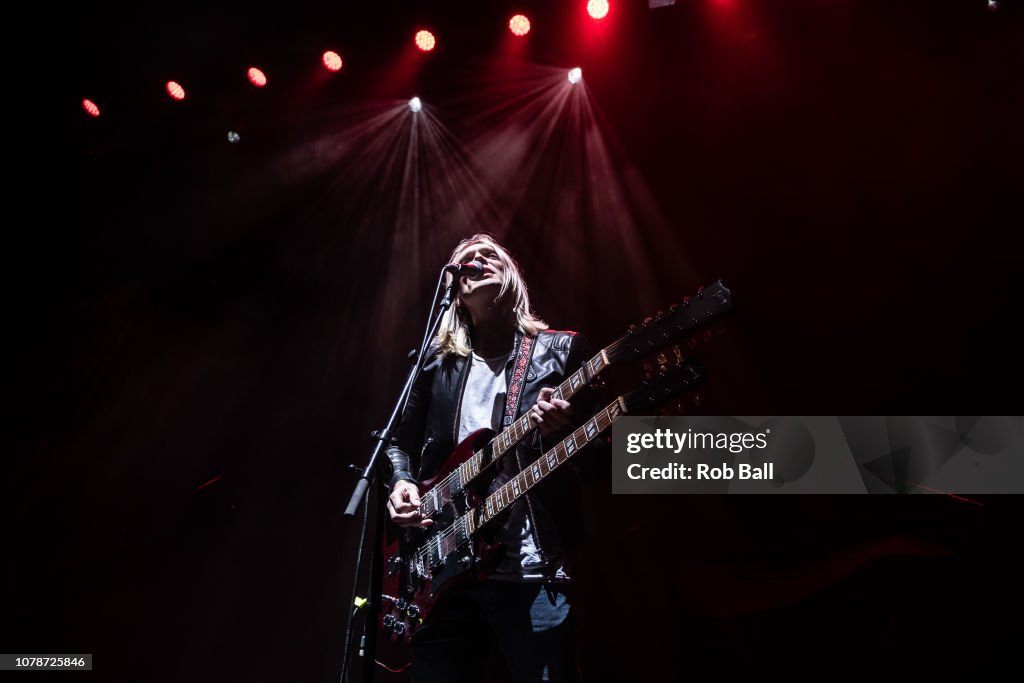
{"type": "Point", "coordinates": [441, 545]}
{"type": "Point", "coordinates": [506, 440]}
{"type": "Point", "coordinates": [518, 485]}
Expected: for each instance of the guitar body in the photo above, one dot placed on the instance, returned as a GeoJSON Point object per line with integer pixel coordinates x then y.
{"type": "Point", "coordinates": [412, 591]}
{"type": "Point", "coordinates": [442, 499]}
{"type": "Point", "coordinates": [420, 563]}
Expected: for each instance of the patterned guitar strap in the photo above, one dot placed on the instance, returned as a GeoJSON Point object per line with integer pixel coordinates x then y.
{"type": "Point", "coordinates": [519, 372]}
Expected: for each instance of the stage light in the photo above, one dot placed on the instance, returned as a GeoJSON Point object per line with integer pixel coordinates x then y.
{"type": "Point", "coordinates": [598, 9]}
{"type": "Point", "coordinates": [90, 108]}
{"type": "Point", "coordinates": [332, 60]}
{"type": "Point", "coordinates": [415, 105]}
{"type": "Point", "coordinates": [257, 77]}
{"type": "Point", "coordinates": [425, 40]}
{"type": "Point", "coordinates": [175, 90]}
{"type": "Point", "coordinates": [575, 75]}
{"type": "Point", "coordinates": [993, 5]}
{"type": "Point", "coordinates": [233, 137]}
{"type": "Point", "coordinates": [519, 25]}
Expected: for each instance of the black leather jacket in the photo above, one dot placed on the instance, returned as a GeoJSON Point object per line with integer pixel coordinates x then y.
{"type": "Point", "coordinates": [427, 435]}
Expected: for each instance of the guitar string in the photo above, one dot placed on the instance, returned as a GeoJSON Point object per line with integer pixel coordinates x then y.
{"type": "Point", "coordinates": [602, 421]}
{"type": "Point", "coordinates": [444, 483]}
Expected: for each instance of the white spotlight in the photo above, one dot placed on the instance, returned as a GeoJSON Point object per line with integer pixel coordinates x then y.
{"type": "Point", "coordinates": [415, 104]}
{"type": "Point", "coordinates": [575, 75]}
{"type": "Point", "coordinates": [233, 137]}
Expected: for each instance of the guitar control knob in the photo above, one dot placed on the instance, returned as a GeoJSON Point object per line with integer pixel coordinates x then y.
{"type": "Point", "coordinates": [399, 629]}
{"type": "Point", "coordinates": [400, 604]}
{"type": "Point", "coordinates": [388, 621]}
{"type": "Point", "coordinates": [413, 611]}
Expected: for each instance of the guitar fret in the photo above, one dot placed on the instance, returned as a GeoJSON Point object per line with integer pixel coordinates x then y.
{"type": "Point", "coordinates": [575, 381]}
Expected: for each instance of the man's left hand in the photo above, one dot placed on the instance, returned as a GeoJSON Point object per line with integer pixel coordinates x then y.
{"type": "Point", "coordinates": [550, 414]}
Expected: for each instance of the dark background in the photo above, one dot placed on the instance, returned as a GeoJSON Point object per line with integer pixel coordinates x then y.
{"type": "Point", "coordinates": [186, 312]}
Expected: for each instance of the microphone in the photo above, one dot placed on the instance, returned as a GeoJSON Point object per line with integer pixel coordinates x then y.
{"type": "Point", "coordinates": [471, 269]}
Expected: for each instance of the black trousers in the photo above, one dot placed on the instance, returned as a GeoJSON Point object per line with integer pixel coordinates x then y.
{"type": "Point", "coordinates": [531, 623]}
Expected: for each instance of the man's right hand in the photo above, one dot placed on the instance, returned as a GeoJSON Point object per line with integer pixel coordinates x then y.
{"type": "Point", "coordinates": [404, 505]}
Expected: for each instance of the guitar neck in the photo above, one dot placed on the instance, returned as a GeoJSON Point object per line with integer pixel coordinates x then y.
{"type": "Point", "coordinates": [438, 547]}
{"type": "Point", "coordinates": [507, 439]}
{"type": "Point", "coordinates": [533, 475]}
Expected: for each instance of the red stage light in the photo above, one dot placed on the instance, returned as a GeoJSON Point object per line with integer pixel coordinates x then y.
{"type": "Point", "coordinates": [597, 8]}
{"type": "Point", "coordinates": [257, 77]}
{"type": "Point", "coordinates": [332, 60]}
{"type": "Point", "coordinates": [425, 40]}
{"type": "Point", "coordinates": [519, 25]}
{"type": "Point", "coordinates": [90, 107]}
{"type": "Point", "coordinates": [175, 90]}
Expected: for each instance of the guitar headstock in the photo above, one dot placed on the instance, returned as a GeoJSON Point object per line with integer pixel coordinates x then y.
{"type": "Point", "coordinates": [708, 304]}
{"type": "Point", "coordinates": [669, 382]}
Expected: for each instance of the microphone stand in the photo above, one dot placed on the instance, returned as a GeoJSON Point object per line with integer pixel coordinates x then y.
{"type": "Point", "coordinates": [368, 646]}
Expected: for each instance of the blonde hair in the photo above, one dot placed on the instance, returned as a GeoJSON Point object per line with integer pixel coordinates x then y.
{"type": "Point", "coordinates": [453, 334]}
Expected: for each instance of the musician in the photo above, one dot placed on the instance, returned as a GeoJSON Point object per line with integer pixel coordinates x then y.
{"type": "Point", "coordinates": [464, 386]}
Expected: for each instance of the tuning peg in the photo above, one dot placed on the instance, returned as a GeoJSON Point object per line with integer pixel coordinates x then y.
{"type": "Point", "coordinates": [647, 321]}
{"type": "Point", "coordinates": [633, 328]}
{"type": "Point", "coordinates": [700, 292]}
{"type": "Point", "coordinates": [686, 301]}
{"type": "Point", "coordinates": [672, 308]}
